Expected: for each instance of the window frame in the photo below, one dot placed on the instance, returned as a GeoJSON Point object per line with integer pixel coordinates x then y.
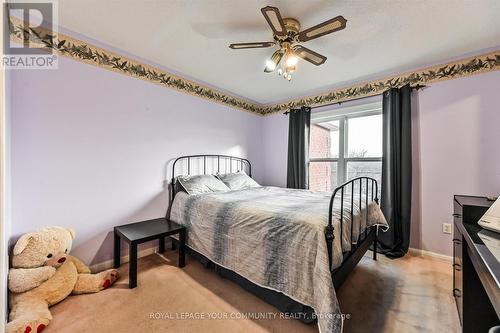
{"type": "Point", "coordinates": [343, 115]}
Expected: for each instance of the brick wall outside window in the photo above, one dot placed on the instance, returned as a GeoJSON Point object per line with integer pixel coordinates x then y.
{"type": "Point", "coordinates": [320, 173]}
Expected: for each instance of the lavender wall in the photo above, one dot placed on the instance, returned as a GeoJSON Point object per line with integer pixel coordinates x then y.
{"type": "Point", "coordinates": [90, 147]}
{"type": "Point", "coordinates": [459, 124]}
{"type": "Point", "coordinates": [456, 133]}
{"type": "Point", "coordinates": [275, 135]}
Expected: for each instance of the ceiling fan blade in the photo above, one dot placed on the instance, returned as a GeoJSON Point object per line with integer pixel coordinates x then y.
{"type": "Point", "coordinates": [273, 18]}
{"type": "Point", "coordinates": [325, 28]}
{"type": "Point", "coordinates": [309, 55]}
{"type": "Point", "coordinates": [251, 45]}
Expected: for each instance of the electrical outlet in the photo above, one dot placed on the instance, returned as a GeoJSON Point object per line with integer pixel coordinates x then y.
{"type": "Point", "coordinates": [446, 228]}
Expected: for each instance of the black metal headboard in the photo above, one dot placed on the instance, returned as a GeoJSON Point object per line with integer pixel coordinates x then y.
{"type": "Point", "coordinates": [217, 163]}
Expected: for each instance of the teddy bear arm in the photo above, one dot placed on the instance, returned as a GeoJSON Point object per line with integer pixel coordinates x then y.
{"type": "Point", "coordinates": [23, 279]}
{"type": "Point", "coordinates": [80, 266]}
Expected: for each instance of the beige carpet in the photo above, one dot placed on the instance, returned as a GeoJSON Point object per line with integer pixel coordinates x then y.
{"type": "Point", "coordinates": [412, 294]}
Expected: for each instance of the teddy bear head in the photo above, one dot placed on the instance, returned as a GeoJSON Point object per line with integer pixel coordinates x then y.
{"type": "Point", "coordinates": [45, 247]}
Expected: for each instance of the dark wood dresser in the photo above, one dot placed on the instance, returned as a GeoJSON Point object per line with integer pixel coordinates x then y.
{"type": "Point", "coordinates": [476, 270]}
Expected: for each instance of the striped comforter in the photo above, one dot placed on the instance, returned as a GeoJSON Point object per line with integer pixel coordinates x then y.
{"type": "Point", "coordinates": [275, 238]}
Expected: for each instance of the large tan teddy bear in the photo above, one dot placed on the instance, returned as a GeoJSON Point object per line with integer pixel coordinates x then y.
{"type": "Point", "coordinates": [43, 274]}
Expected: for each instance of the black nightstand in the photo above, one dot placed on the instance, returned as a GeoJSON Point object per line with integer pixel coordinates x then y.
{"type": "Point", "coordinates": [140, 232]}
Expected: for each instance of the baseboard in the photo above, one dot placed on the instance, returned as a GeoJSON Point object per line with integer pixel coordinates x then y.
{"type": "Point", "coordinates": [99, 267]}
{"type": "Point", "coordinates": [434, 255]}
{"type": "Point", "coordinates": [146, 252]}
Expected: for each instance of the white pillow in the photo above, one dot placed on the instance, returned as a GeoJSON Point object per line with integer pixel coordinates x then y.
{"type": "Point", "coordinates": [238, 180]}
{"type": "Point", "coordinates": [202, 184]}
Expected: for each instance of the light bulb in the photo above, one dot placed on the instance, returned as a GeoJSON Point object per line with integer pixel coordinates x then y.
{"type": "Point", "coordinates": [280, 71]}
{"type": "Point", "coordinates": [270, 65]}
{"type": "Point", "coordinates": [291, 60]}
{"type": "Point", "coordinates": [289, 77]}
{"type": "Point", "coordinates": [285, 74]}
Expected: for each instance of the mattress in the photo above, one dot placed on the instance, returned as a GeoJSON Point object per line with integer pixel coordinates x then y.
{"type": "Point", "coordinates": [274, 237]}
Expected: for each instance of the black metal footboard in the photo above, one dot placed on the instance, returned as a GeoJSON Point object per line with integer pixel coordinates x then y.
{"type": "Point", "coordinates": [360, 191]}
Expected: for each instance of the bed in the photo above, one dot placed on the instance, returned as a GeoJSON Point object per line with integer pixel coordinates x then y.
{"type": "Point", "coordinates": [290, 247]}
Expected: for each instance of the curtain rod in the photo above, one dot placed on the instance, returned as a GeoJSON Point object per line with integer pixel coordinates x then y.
{"type": "Point", "coordinates": [416, 87]}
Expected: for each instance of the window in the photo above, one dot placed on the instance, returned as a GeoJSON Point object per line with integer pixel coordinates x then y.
{"type": "Point", "coordinates": [345, 143]}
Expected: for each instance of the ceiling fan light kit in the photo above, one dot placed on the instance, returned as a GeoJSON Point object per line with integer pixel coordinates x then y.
{"type": "Point", "coordinates": [287, 36]}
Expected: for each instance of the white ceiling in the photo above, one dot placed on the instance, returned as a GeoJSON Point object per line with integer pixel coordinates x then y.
{"type": "Point", "coordinates": [192, 38]}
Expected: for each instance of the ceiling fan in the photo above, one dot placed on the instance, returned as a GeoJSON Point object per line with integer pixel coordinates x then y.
{"type": "Point", "coordinates": [287, 36]}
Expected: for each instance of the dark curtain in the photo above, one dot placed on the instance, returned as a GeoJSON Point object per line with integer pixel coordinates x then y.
{"type": "Point", "coordinates": [298, 148]}
{"type": "Point", "coordinates": [396, 171]}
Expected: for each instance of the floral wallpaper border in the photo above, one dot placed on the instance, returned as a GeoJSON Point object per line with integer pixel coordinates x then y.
{"type": "Point", "coordinates": [85, 52]}
{"type": "Point", "coordinates": [465, 67]}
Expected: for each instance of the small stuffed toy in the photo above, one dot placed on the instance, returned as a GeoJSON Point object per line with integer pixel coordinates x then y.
{"type": "Point", "coordinates": [43, 274]}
